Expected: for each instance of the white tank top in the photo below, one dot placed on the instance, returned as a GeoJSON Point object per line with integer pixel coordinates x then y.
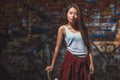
{"type": "Point", "coordinates": [75, 43]}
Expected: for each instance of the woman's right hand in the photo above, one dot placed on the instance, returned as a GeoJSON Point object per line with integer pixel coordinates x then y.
{"type": "Point", "coordinates": [49, 68]}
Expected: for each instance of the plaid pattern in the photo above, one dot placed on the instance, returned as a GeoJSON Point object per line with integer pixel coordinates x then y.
{"type": "Point", "coordinates": [74, 68]}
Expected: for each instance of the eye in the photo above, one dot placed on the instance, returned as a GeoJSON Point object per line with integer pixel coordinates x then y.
{"type": "Point", "coordinates": [70, 12]}
{"type": "Point", "coordinates": [76, 13]}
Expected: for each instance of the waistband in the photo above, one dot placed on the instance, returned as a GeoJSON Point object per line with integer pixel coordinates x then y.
{"type": "Point", "coordinates": [81, 55]}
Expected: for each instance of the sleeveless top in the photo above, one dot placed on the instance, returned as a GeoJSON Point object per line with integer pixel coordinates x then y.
{"type": "Point", "coordinates": [75, 43]}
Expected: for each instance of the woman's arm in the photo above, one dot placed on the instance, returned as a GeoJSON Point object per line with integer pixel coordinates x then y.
{"type": "Point", "coordinates": [91, 66]}
{"type": "Point", "coordinates": [57, 47]}
{"type": "Point", "coordinates": [58, 43]}
{"type": "Point", "coordinates": [91, 63]}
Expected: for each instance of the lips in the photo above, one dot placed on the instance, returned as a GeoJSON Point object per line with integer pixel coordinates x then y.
{"type": "Point", "coordinates": [72, 19]}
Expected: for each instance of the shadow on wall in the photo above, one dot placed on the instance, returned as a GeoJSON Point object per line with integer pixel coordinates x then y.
{"type": "Point", "coordinates": [4, 75]}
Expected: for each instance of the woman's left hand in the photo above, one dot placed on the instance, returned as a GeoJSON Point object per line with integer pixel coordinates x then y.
{"type": "Point", "coordinates": [91, 67]}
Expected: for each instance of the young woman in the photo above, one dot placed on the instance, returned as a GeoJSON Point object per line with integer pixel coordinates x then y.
{"type": "Point", "coordinates": [78, 62]}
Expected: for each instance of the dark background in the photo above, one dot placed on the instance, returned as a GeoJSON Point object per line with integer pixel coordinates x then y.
{"type": "Point", "coordinates": [28, 30]}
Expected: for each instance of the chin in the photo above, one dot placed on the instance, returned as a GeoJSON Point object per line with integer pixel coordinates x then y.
{"type": "Point", "coordinates": [72, 22]}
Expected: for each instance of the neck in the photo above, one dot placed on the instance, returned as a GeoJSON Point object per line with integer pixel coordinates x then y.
{"type": "Point", "coordinates": [73, 26]}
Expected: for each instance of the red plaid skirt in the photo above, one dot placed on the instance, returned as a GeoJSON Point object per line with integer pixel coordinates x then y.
{"type": "Point", "coordinates": [74, 68]}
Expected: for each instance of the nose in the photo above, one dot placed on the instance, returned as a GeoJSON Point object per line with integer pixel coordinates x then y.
{"type": "Point", "coordinates": [73, 15]}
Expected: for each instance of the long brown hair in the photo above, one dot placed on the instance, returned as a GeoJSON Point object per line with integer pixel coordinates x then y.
{"type": "Point", "coordinates": [79, 23]}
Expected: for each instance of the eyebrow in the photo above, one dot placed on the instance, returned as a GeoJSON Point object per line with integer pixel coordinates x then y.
{"type": "Point", "coordinates": [72, 11]}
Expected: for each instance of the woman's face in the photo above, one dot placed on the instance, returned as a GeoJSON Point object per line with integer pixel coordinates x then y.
{"type": "Point", "coordinates": [72, 15]}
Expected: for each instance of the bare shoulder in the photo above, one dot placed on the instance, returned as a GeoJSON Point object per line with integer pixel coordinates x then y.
{"type": "Point", "coordinates": [61, 29]}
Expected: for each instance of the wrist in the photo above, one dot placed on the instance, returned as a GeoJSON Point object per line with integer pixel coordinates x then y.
{"type": "Point", "coordinates": [52, 65]}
